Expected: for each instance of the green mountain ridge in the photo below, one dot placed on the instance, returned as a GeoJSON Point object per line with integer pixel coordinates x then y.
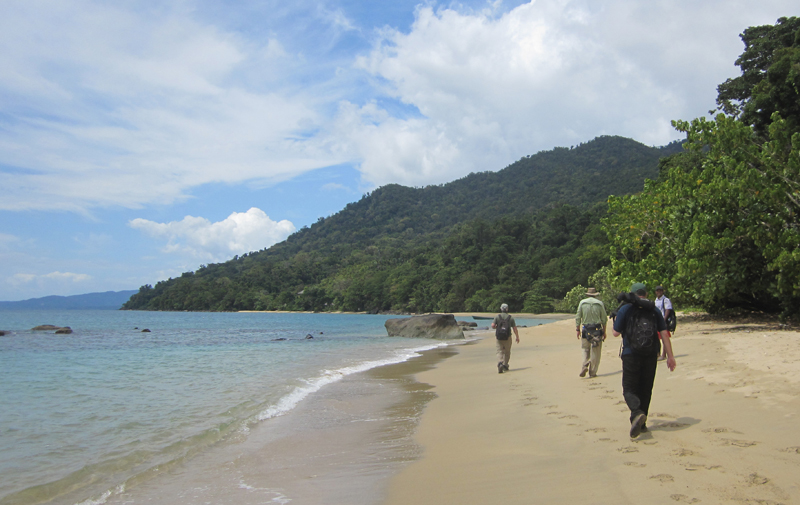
{"type": "Point", "coordinates": [358, 258]}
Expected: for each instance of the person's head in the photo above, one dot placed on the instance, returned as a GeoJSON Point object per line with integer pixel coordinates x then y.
{"type": "Point", "coordinates": [592, 292]}
{"type": "Point", "coordinates": [659, 291]}
{"type": "Point", "coordinates": [639, 289]}
{"type": "Point", "coordinates": [504, 307]}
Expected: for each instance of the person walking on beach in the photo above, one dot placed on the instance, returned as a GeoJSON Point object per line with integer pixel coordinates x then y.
{"type": "Point", "coordinates": [590, 327]}
{"type": "Point", "coordinates": [639, 322]}
{"type": "Point", "coordinates": [503, 324]}
{"type": "Point", "coordinates": [664, 305]}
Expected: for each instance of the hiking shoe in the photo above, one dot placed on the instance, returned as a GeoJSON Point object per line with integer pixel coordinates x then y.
{"type": "Point", "coordinates": [637, 423]}
{"type": "Point", "coordinates": [584, 371]}
{"type": "Point", "coordinates": [505, 367]}
{"type": "Point", "coordinates": [499, 368]}
{"type": "Point", "coordinates": [644, 428]}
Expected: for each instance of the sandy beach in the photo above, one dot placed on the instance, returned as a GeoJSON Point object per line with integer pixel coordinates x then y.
{"type": "Point", "coordinates": [723, 426]}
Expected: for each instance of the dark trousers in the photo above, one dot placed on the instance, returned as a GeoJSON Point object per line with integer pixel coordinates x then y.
{"type": "Point", "coordinates": [638, 376]}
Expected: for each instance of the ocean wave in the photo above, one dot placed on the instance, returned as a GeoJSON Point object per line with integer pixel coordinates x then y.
{"type": "Point", "coordinates": [291, 400]}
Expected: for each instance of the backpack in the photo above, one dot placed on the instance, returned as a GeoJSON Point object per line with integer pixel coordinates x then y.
{"type": "Point", "coordinates": [641, 328]}
{"type": "Point", "coordinates": [672, 321]}
{"type": "Point", "coordinates": [503, 330]}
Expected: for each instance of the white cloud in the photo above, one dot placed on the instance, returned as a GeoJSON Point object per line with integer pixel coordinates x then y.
{"type": "Point", "coordinates": [57, 277]}
{"type": "Point", "coordinates": [547, 73]}
{"type": "Point", "coordinates": [133, 103]}
{"type": "Point", "coordinates": [239, 233]}
{"type": "Point", "coordinates": [105, 106]}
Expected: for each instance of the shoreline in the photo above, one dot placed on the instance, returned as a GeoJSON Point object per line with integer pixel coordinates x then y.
{"type": "Point", "coordinates": [723, 426]}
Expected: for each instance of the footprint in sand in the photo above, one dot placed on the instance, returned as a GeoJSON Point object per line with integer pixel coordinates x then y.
{"type": "Point", "coordinates": [795, 449]}
{"type": "Point", "coordinates": [551, 406]}
{"type": "Point", "coordinates": [627, 450]}
{"type": "Point", "coordinates": [607, 397]}
{"type": "Point", "coordinates": [673, 424]}
{"type": "Point", "coordinates": [621, 402]}
{"type": "Point", "coordinates": [696, 466]}
{"type": "Point", "coordinates": [737, 443]}
{"type": "Point", "coordinates": [663, 478]}
{"type": "Point", "coordinates": [682, 452]}
{"type": "Point", "coordinates": [569, 416]}
{"type": "Point", "coordinates": [719, 430]}
{"type": "Point", "coordinates": [553, 413]}
{"type": "Point", "coordinates": [683, 498]}
{"type": "Point", "coordinates": [596, 430]}
{"type": "Point", "coordinates": [635, 464]}
{"type": "Point", "coordinates": [756, 480]}
{"type": "Point", "coordinates": [661, 414]}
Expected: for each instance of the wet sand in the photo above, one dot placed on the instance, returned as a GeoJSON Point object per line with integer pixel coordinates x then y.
{"type": "Point", "coordinates": [723, 427]}
{"type": "Point", "coordinates": [339, 446]}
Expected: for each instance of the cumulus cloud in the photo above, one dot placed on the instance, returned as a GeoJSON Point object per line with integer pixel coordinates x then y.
{"type": "Point", "coordinates": [197, 237]}
{"type": "Point", "coordinates": [548, 73]}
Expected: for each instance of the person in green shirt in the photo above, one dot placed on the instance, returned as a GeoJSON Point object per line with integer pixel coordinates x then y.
{"type": "Point", "coordinates": [590, 327]}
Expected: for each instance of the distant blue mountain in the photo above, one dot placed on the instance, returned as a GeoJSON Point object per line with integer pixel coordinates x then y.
{"type": "Point", "coordinates": [110, 300]}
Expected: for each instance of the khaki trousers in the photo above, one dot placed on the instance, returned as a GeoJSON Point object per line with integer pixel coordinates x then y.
{"type": "Point", "coordinates": [503, 350]}
{"type": "Point", "coordinates": [591, 356]}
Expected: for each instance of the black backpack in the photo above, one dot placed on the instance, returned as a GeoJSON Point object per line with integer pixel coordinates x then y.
{"type": "Point", "coordinates": [503, 330]}
{"type": "Point", "coordinates": [641, 328]}
{"type": "Point", "coordinates": [672, 321]}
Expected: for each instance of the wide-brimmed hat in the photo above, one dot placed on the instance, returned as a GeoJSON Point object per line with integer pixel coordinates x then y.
{"type": "Point", "coordinates": [592, 292]}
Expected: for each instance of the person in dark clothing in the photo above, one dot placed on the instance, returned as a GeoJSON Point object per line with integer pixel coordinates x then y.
{"type": "Point", "coordinates": [639, 366]}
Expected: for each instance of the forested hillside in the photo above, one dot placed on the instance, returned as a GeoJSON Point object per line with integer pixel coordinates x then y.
{"type": "Point", "coordinates": [525, 235]}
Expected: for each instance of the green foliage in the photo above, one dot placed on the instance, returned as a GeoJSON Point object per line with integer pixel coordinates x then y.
{"type": "Point", "coordinates": [720, 228]}
{"type": "Point", "coordinates": [770, 80]}
{"type": "Point", "coordinates": [571, 300]}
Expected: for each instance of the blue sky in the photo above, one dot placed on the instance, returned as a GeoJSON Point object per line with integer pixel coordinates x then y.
{"type": "Point", "coordinates": [139, 140]}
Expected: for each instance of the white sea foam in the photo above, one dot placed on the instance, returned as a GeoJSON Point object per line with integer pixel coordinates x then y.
{"type": "Point", "coordinates": [291, 400]}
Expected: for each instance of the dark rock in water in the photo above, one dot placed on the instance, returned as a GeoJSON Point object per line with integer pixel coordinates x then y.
{"type": "Point", "coordinates": [66, 330]}
{"type": "Point", "coordinates": [135, 327]}
{"type": "Point", "coordinates": [3, 333]}
{"type": "Point", "coordinates": [278, 339]}
{"type": "Point", "coordinates": [309, 336]}
{"type": "Point", "coordinates": [145, 330]}
{"type": "Point", "coordinates": [441, 326]}
{"type": "Point", "coordinates": [467, 324]}
{"type": "Point", "coordinates": [45, 327]}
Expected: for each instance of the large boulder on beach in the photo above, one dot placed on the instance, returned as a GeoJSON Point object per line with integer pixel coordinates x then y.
{"type": "Point", "coordinates": [45, 327]}
{"type": "Point", "coordinates": [467, 324]}
{"type": "Point", "coordinates": [66, 330]}
{"type": "Point", "coordinates": [441, 326]}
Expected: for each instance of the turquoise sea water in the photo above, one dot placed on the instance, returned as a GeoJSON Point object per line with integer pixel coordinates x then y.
{"type": "Point", "coordinates": [86, 413]}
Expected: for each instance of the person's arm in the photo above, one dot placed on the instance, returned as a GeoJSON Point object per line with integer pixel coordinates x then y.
{"type": "Point", "coordinates": [516, 333]}
{"type": "Point", "coordinates": [665, 341]}
{"type": "Point", "coordinates": [578, 322]}
{"type": "Point", "coordinates": [605, 321]}
{"type": "Point", "coordinates": [617, 328]}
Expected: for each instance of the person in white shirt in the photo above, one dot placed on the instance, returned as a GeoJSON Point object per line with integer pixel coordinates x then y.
{"type": "Point", "coordinates": [665, 307]}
